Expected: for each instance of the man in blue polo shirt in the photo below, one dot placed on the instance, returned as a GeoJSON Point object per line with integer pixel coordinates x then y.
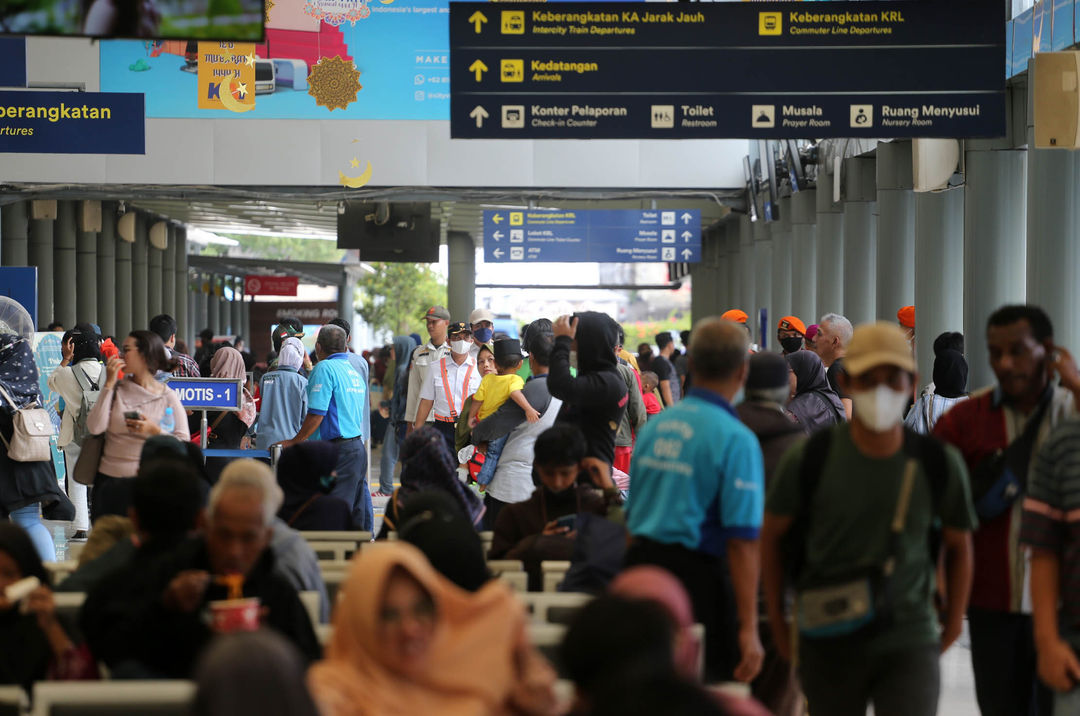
{"type": "Point", "coordinates": [697, 499]}
{"type": "Point", "coordinates": [337, 398]}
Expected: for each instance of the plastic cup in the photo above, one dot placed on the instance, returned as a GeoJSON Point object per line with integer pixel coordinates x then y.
{"type": "Point", "coordinates": [229, 616]}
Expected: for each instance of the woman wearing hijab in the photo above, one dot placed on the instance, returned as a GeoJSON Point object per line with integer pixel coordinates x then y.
{"type": "Point", "coordinates": [80, 369]}
{"type": "Point", "coordinates": [26, 488]}
{"type": "Point", "coordinates": [128, 412]}
{"type": "Point", "coordinates": [426, 464]}
{"type": "Point", "coordinates": [226, 429]}
{"type": "Point", "coordinates": [305, 473]}
{"type": "Point", "coordinates": [284, 396]}
{"type": "Point", "coordinates": [815, 404]}
{"type": "Point", "coordinates": [948, 389]}
{"type": "Point", "coordinates": [433, 523]}
{"type": "Point", "coordinates": [36, 645]}
{"type": "Point", "coordinates": [252, 674]}
{"type": "Point", "coordinates": [407, 641]}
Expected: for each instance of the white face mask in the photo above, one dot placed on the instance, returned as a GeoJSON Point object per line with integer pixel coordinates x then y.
{"type": "Point", "coordinates": [880, 409]}
{"type": "Point", "coordinates": [459, 347]}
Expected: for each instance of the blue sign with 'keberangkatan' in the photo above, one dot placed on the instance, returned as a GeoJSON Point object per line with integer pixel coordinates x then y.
{"type": "Point", "coordinates": [72, 123]}
{"type": "Point", "coordinates": [592, 235]}
{"type": "Point", "coordinates": [208, 393]}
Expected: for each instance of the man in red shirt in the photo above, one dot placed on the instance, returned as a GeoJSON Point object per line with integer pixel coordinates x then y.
{"type": "Point", "coordinates": [1025, 362]}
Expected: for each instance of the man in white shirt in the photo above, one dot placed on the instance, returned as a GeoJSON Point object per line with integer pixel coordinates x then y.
{"type": "Point", "coordinates": [449, 382]}
{"type": "Point", "coordinates": [482, 323]}
{"type": "Point", "coordinates": [424, 357]}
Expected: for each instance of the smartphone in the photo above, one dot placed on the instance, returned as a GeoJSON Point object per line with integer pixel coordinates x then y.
{"type": "Point", "coordinates": [567, 521]}
{"type": "Point", "coordinates": [131, 415]}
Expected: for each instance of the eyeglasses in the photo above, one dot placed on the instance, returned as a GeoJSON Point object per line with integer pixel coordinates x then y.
{"type": "Point", "coordinates": [128, 349]}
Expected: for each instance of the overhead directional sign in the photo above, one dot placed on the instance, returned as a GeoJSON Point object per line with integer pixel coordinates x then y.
{"type": "Point", "coordinates": [599, 235]}
{"type": "Point", "coordinates": [754, 70]}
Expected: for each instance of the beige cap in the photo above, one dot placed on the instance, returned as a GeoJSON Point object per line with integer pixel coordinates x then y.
{"type": "Point", "coordinates": [875, 344]}
{"type": "Point", "coordinates": [481, 314]}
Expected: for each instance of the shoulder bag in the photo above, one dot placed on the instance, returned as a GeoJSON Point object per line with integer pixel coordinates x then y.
{"type": "Point", "coordinates": [32, 431]}
{"type": "Point", "coordinates": [91, 450]}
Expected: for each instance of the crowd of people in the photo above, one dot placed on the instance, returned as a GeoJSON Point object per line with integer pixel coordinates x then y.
{"type": "Point", "coordinates": [825, 518]}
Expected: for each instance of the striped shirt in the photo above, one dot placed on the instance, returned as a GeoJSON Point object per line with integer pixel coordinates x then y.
{"type": "Point", "coordinates": [1052, 513]}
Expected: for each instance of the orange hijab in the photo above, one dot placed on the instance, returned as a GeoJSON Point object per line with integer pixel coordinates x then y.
{"type": "Point", "coordinates": [471, 667]}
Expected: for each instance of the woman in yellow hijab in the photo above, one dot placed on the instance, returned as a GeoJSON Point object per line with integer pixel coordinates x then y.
{"type": "Point", "coordinates": [407, 642]}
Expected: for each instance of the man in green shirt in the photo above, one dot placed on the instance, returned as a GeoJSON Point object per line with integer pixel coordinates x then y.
{"type": "Point", "coordinates": [861, 514]}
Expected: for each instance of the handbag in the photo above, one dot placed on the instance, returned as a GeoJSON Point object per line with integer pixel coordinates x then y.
{"type": "Point", "coordinates": [862, 600]}
{"type": "Point", "coordinates": [1001, 477]}
{"type": "Point", "coordinates": [86, 467]}
{"type": "Point", "coordinates": [32, 432]}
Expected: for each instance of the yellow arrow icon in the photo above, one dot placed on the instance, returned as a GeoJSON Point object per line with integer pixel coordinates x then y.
{"type": "Point", "coordinates": [497, 218]}
{"type": "Point", "coordinates": [479, 68]}
{"type": "Point", "coordinates": [478, 20]}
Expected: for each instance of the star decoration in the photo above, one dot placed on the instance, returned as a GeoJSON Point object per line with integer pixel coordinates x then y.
{"type": "Point", "coordinates": [355, 162]}
{"type": "Point", "coordinates": [250, 60]}
{"type": "Point", "coordinates": [334, 83]}
{"type": "Point", "coordinates": [242, 90]}
{"type": "Point", "coordinates": [269, 4]}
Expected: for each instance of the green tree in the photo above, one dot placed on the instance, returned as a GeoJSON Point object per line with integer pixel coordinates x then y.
{"type": "Point", "coordinates": [286, 248]}
{"type": "Point", "coordinates": [395, 297]}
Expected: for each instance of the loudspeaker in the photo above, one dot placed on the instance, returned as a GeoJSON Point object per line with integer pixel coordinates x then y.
{"type": "Point", "coordinates": [90, 215]}
{"type": "Point", "coordinates": [933, 162]}
{"type": "Point", "coordinates": [43, 209]}
{"type": "Point", "coordinates": [159, 235]}
{"type": "Point", "coordinates": [1056, 95]}
{"type": "Point", "coordinates": [394, 232]}
{"type": "Point", "coordinates": [125, 227]}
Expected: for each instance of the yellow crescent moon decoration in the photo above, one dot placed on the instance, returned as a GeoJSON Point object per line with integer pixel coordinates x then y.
{"type": "Point", "coordinates": [228, 101]}
{"type": "Point", "coordinates": [355, 182]}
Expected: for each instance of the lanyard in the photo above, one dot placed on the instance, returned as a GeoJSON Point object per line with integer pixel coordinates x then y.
{"type": "Point", "coordinates": [446, 389]}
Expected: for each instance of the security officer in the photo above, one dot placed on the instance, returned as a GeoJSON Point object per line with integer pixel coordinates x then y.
{"type": "Point", "coordinates": [450, 381]}
{"type": "Point", "coordinates": [438, 320]}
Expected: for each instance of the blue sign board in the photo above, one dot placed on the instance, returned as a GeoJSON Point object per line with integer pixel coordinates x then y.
{"type": "Point", "coordinates": [72, 123]}
{"type": "Point", "coordinates": [728, 69]}
{"type": "Point", "coordinates": [592, 235]}
{"type": "Point", "coordinates": [208, 393]}
{"type": "Point", "coordinates": [12, 61]}
{"type": "Point", "coordinates": [20, 283]}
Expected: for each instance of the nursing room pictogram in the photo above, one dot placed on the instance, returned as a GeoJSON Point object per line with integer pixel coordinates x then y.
{"type": "Point", "coordinates": [862, 116]}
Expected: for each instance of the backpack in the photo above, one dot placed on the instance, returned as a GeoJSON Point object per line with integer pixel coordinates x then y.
{"type": "Point", "coordinates": [91, 391]}
{"type": "Point", "coordinates": [929, 453]}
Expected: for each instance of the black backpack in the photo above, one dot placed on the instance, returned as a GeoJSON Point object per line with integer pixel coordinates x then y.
{"type": "Point", "coordinates": [928, 451]}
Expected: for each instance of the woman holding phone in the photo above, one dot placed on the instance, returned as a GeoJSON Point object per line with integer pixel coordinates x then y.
{"type": "Point", "coordinates": [128, 412]}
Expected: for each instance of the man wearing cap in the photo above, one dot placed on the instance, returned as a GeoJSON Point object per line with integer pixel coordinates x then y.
{"type": "Point", "coordinates": [482, 323]}
{"type": "Point", "coordinates": [737, 315]}
{"type": "Point", "coordinates": [763, 412]}
{"type": "Point", "coordinates": [858, 504]}
{"type": "Point", "coordinates": [438, 320]}
{"type": "Point", "coordinates": [790, 333]}
{"type": "Point", "coordinates": [906, 317]}
{"type": "Point", "coordinates": [449, 382]}
{"type": "Point", "coordinates": [289, 327]}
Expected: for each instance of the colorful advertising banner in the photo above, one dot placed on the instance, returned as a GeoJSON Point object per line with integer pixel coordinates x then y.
{"type": "Point", "coordinates": [226, 72]}
{"type": "Point", "coordinates": [72, 123]}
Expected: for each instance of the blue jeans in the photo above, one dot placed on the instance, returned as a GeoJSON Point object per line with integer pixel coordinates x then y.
{"type": "Point", "coordinates": [491, 461]}
{"type": "Point", "coordinates": [29, 518]}
{"type": "Point", "coordinates": [388, 461]}
{"type": "Point", "coordinates": [352, 485]}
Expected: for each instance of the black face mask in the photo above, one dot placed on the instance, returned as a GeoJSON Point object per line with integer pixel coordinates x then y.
{"type": "Point", "coordinates": [791, 344]}
{"type": "Point", "coordinates": [557, 493]}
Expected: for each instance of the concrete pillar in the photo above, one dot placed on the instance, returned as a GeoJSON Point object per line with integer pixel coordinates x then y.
{"type": "Point", "coordinates": [803, 258]}
{"type": "Point", "coordinates": [224, 315]}
{"type": "Point", "coordinates": [123, 286]}
{"type": "Point", "coordinates": [155, 262]}
{"type": "Point", "coordinates": [995, 246]}
{"type": "Point", "coordinates": [896, 229]}
{"type": "Point", "coordinates": [140, 274]}
{"type": "Point", "coordinates": [201, 317]}
{"type": "Point", "coordinates": [860, 239]}
{"type": "Point", "coordinates": [763, 257]}
{"type": "Point", "coordinates": [1053, 251]}
{"type": "Point", "coordinates": [168, 277]}
{"type": "Point", "coordinates": [734, 276]}
{"type": "Point", "coordinates": [186, 321]}
{"type": "Point", "coordinates": [64, 246]}
{"type": "Point", "coordinates": [723, 272]}
{"type": "Point", "coordinates": [747, 294]}
{"type": "Point", "coordinates": [14, 233]}
{"type": "Point", "coordinates": [781, 261]}
{"type": "Point", "coordinates": [236, 308]}
{"type": "Point", "coordinates": [830, 250]}
{"type": "Point", "coordinates": [106, 270]}
{"type": "Point", "coordinates": [213, 312]}
{"type": "Point", "coordinates": [86, 278]}
{"type": "Point", "coordinates": [939, 271]}
{"type": "Point", "coordinates": [347, 296]}
{"type": "Point", "coordinates": [245, 320]}
{"type": "Point", "coordinates": [461, 281]}
{"type": "Point", "coordinates": [40, 254]}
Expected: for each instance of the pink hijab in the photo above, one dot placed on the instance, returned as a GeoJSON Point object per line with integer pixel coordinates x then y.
{"type": "Point", "coordinates": [228, 363]}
